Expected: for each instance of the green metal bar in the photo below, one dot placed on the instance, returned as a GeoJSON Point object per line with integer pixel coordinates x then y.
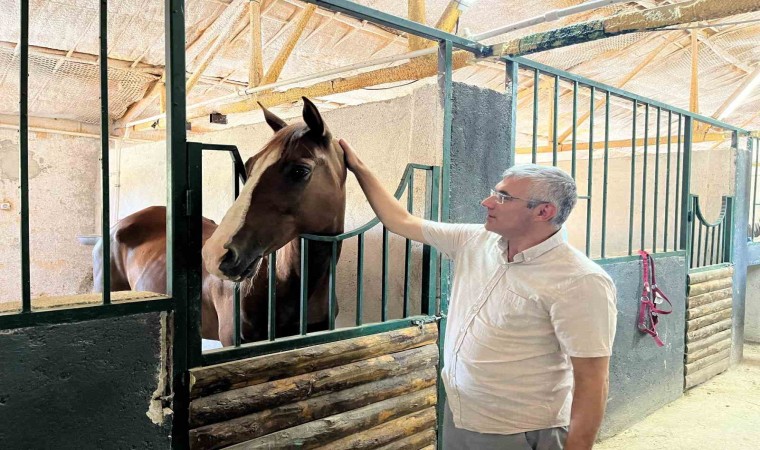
{"type": "Point", "coordinates": [655, 218]}
{"type": "Point", "coordinates": [384, 279]}
{"type": "Point", "coordinates": [408, 248]}
{"type": "Point", "coordinates": [622, 93]}
{"type": "Point", "coordinates": [686, 214]}
{"type": "Point", "coordinates": [729, 231]}
{"type": "Point", "coordinates": [699, 244]}
{"type": "Point", "coordinates": [756, 149]}
{"type": "Point", "coordinates": [236, 322]}
{"type": "Point", "coordinates": [644, 179]}
{"type": "Point", "coordinates": [678, 218]}
{"type": "Point", "coordinates": [632, 258]}
{"type": "Point", "coordinates": [606, 171]}
{"type": "Point", "coordinates": [575, 130]}
{"type": "Point", "coordinates": [332, 302]}
{"type": "Point", "coordinates": [23, 129]}
{"type": "Point", "coordinates": [555, 114]}
{"type": "Point", "coordinates": [397, 23]}
{"type": "Point", "coordinates": [177, 222]}
{"type": "Point", "coordinates": [667, 184]}
{"type": "Point", "coordinates": [633, 178]}
{"type": "Point", "coordinates": [261, 348]}
{"type": "Point", "coordinates": [719, 255]}
{"type": "Point", "coordinates": [590, 177]}
{"type": "Point", "coordinates": [193, 262]}
{"type": "Point", "coordinates": [705, 269]}
{"type": "Point", "coordinates": [512, 84]}
{"type": "Point", "coordinates": [272, 297]}
{"type": "Point", "coordinates": [304, 285]}
{"type": "Point", "coordinates": [712, 245]}
{"type": "Point", "coordinates": [104, 151]}
{"type": "Point", "coordinates": [445, 81]}
{"type": "Point", "coordinates": [360, 281]}
{"type": "Point", "coordinates": [10, 321]}
{"type": "Point", "coordinates": [534, 149]}
{"type": "Point", "coordinates": [430, 254]}
{"type": "Point", "coordinates": [694, 257]}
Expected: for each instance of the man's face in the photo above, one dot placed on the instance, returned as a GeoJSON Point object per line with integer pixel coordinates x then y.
{"type": "Point", "coordinates": [513, 217]}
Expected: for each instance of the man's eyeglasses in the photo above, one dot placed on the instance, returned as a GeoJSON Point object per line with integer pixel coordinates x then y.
{"type": "Point", "coordinates": [502, 198]}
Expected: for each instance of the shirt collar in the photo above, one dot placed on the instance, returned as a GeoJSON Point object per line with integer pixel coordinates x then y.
{"type": "Point", "coordinates": [531, 253]}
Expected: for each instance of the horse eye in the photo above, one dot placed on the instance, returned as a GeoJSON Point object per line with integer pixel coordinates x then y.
{"type": "Point", "coordinates": [300, 172]}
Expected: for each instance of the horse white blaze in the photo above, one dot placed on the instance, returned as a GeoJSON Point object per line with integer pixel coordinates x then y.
{"type": "Point", "coordinates": [234, 219]}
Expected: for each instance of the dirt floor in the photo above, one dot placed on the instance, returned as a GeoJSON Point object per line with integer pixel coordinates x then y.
{"type": "Point", "coordinates": [723, 413]}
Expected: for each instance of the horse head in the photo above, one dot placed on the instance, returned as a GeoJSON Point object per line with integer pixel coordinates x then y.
{"type": "Point", "coordinates": [296, 185]}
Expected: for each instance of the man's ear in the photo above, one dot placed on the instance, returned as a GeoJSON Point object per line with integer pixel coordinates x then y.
{"type": "Point", "coordinates": [546, 212]}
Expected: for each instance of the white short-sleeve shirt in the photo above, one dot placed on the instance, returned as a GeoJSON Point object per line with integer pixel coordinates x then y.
{"type": "Point", "coordinates": [512, 327]}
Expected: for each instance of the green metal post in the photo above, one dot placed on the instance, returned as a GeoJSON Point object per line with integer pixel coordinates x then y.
{"type": "Point", "coordinates": [678, 218]}
{"type": "Point", "coordinates": [512, 84]}
{"type": "Point", "coordinates": [644, 178]}
{"type": "Point", "coordinates": [590, 176]}
{"type": "Point", "coordinates": [575, 128]}
{"type": "Point", "coordinates": [360, 280]}
{"type": "Point", "coordinates": [408, 248]}
{"type": "Point", "coordinates": [23, 129]}
{"type": "Point", "coordinates": [633, 178]}
{"type": "Point", "coordinates": [728, 220]}
{"type": "Point", "coordinates": [332, 302]}
{"type": "Point", "coordinates": [237, 336]}
{"type": "Point", "coordinates": [534, 148]}
{"type": "Point", "coordinates": [555, 114]}
{"type": "Point", "coordinates": [304, 285]}
{"type": "Point", "coordinates": [193, 263]}
{"type": "Point", "coordinates": [655, 218]}
{"type": "Point", "coordinates": [104, 152]}
{"type": "Point", "coordinates": [606, 170]}
{"type": "Point", "coordinates": [667, 185]}
{"type": "Point", "coordinates": [686, 214]}
{"type": "Point", "coordinates": [177, 223]}
{"type": "Point", "coordinates": [384, 277]}
{"type": "Point", "coordinates": [430, 254]}
{"type": "Point", "coordinates": [272, 297]}
{"type": "Point", "coordinates": [756, 149]}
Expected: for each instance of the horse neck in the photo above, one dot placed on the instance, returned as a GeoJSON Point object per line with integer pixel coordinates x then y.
{"type": "Point", "coordinates": [289, 259]}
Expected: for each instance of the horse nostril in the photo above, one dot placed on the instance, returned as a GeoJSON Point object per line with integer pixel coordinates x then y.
{"type": "Point", "coordinates": [229, 260]}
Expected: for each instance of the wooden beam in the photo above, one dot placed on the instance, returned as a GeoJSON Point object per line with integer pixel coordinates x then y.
{"type": "Point", "coordinates": [59, 126]}
{"type": "Point", "coordinates": [694, 87]}
{"type": "Point", "coordinates": [739, 96]}
{"type": "Point", "coordinates": [449, 17]}
{"type": "Point", "coordinates": [628, 77]}
{"type": "Point", "coordinates": [282, 57]}
{"type": "Point", "coordinates": [256, 64]}
{"type": "Point", "coordinates": [417, 14]}
{"type": "Point", "coordinates": [621, 143]}
{"type": "Point", "coordinates": [418, 68]}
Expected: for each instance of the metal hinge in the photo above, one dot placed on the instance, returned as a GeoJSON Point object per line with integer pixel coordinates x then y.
{"type": "Point", "coordinates": [429, 319]}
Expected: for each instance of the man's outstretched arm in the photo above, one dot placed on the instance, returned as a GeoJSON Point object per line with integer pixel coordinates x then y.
{"type": "Point", "coordinates": [391, 212]}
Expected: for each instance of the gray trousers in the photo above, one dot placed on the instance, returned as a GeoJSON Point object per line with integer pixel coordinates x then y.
{"type": "Point", "coordinates": [458, 439]}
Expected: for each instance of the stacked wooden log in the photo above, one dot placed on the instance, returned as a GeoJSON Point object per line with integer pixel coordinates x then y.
{"type": "Point", "coordinates": [375, 391]}
{"type": "Point", "coordinates": [708, 325]}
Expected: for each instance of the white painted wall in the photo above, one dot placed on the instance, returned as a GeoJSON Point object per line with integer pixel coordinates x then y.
{"type": "Point", "coordinates": [63, 198]}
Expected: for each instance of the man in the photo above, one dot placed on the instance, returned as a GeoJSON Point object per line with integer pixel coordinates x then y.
{"type": "Point", "coordinates": [531, 320]}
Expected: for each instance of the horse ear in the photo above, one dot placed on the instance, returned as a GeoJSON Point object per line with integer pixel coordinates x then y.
{"type": "Point", "coordinates": [275, 122]}
{"type": "Point", "coordinates": [313, 119]}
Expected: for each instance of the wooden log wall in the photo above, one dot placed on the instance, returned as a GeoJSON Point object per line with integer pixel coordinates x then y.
{"type": "Point", "coordinates": [370, 392]}
{"type": "Point", "coordinates": [708, 325]}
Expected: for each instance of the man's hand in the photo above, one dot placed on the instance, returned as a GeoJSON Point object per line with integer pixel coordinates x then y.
{"type": "Point", "coordinates": [589, 401]}
{"type": "Point", "coordinates": [352, 160]}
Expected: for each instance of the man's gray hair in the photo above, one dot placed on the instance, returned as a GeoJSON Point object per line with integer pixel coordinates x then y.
{"type": "Point", "coordinates": [548, 184]}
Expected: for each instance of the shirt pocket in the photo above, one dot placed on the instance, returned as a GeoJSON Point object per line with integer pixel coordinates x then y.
{"type": "Point", "coordinates": [508, 310]}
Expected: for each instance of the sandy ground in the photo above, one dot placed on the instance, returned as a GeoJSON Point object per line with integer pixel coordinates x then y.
{"type": "Point", "coordinates": [723, 413]}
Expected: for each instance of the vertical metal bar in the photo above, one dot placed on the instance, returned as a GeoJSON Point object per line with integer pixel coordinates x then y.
{"type": "Point", "coordinates": [644, 177]}
{"type": "Point", "coordinates": [719, 255]}
{"type": "Point", "coordinates": [756, 149]}
{"type": "Point", "coordinates": [104, 151]}
{"type": "Point", "coordinates": [667, 185]}
{"type": "Point", "coordinates": [193, 262]}
{"type": "Point", "coordinates": [176, 221]}
{"type": "Point", "coordinates": [272, 296]}
{"type": "Point", "coordinates": [679, 243]}
{"type": "Point", "coordinates": [686, 214]}
{"type": "Point", "coordinates": [408, 249]}
{"type": "Point", "coordinates": [606, 170]}
{"type": "Point", "coordinates": [590, 176]}
{"type": "Point", "coordinates": [655, 219]}
{"type": "Point", "coordinates": [690, 253]}
{"type": "Point", "coordinates": [445, 81]}
{"type": "Point", "coordinates": [555, 112]}
{"type": "Point", "coordinates": [429, 254]}
{"type": "Point", "coordinates": [728, 220]}
{"type": "Point", "coordinates": [512, 84]}
{"type": "Point", "coordinates": [360, 280]}
{"type": "Point", "coordinates": [238, 335]}
{"type": "Point", "coordinates": [304, 286]}
{"type": "Point", "coordinates": [699, 241]}
{"type": "Point", "coordinates": [575, 127]}
{"type": "Point", "coordinates": [332, 303]}
{"type": "Point", "coordinates": [23, 128]}
{"type": "Point", "coordinates": [633, 179]}
{"type": "Point", "coordinates": [534, 148]}
{"type": "Point", "coordinates": [712, 245]}
{"type": "Point", "coordinates": [384, 278]}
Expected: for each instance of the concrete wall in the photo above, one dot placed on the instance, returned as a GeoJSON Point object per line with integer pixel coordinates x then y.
{"type": "Point", "coordinates": [644, 377]}
{"type": "Point", "coordinates": [82, 385]}
{"type": "Point", "coordinates": [63, 201]}
{"type": "Point", "coordinates": [388, 135]}
{"type": "Point", "coordinates": [752, 312]}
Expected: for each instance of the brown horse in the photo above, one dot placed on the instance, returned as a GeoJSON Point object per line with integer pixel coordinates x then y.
{"type": "Point", "coordinates": [296, 185]}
